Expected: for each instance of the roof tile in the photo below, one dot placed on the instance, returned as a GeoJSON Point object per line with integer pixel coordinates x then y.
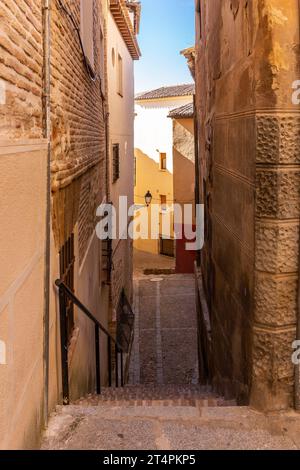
{"type": "Point", "coordinates": [167, 92]}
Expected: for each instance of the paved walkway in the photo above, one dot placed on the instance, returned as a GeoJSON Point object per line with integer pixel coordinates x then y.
{"type": "Point", "coordinates": [165, 345]}
{"type": "Point", "coordinates": [146, 261]}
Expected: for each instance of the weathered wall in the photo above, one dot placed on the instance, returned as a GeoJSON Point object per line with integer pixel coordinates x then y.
{"type": "Point", "coordinates": [247, 56]}
{"type": "Point", "coordinates": [23, 157]}
{"type": "Point", "coordinates": [22, 239]}
{"type": "Point", "coordinates": [184, 187]}
{"type": "Point", "coordinates": [78, 187]}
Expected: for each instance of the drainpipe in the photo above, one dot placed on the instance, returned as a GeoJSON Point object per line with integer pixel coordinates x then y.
{"type": "Point", "coordinates": [47, 136]}
{"type": "Point", "coordinates": [297, 367]}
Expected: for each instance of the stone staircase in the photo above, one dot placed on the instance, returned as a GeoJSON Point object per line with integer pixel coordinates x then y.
{"type": "Point", "coordinates": [128, 418]}
{"type": "Point", "coordinates": [171, 417]}
{"type": "Point", "coordinates": [156, 395]}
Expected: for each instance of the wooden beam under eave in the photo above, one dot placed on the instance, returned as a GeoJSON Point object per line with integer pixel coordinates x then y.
{"type": "Point", "coordinates": [125, 29]}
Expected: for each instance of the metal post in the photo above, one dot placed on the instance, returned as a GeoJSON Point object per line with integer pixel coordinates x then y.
{"type": "Point", "coordinates": [64, 346]}
{"type": "Point", "coordinates": [98, 368]}
{"type": "Point", "coordinates": [109, 361]}
{"type": "Point", "coordinates": [117, 366]}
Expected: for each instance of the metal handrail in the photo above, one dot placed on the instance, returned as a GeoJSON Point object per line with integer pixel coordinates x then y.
{"type": "Point", "coordinates": [64, 291]}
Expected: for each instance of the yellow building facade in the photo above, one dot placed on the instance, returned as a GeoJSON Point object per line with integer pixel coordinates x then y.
{"type": "Point", "coordinates": [149, 176]}
{"type": "Point", "coordinates": [154, 167]}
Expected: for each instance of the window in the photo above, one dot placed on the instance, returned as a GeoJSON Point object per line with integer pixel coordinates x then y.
{"type": "Point", "coordinates": [163, 202]}
{"type": "Point", "coordinates": [163, 161]}
{"type": "Point", "coordinates": [116, 162]}
{"type": "Point", "coordinates": [66, 262]}
{"type": "Point", "coordinates": [87, 29]}
{"type": "Point", "coordinates": [120, 75]}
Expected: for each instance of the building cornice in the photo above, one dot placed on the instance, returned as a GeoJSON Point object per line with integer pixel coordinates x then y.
{"type": "Point", "coordinates": [120, 13]}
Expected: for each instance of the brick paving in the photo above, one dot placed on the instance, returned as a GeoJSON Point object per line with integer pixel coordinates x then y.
{"type": "Point", "coordinates": [165, 345]}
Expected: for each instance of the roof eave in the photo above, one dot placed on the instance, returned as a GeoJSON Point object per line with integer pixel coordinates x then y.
{"type": "Point", "coordinates": [163, 98]}
{"type": "Point", "coordinates": [120, 13]}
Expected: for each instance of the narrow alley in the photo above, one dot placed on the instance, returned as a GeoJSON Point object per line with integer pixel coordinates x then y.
{"type": "Point", "coordinates": [150, 227]}
{"type": "Point", "coordinates": [163, 407]}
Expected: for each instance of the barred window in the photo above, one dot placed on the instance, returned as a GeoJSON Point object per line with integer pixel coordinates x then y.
{"type": "Point", "coordinates": [116, 162]}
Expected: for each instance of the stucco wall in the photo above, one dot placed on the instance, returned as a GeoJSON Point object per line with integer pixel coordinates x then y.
{"type": "Point", "coordinates": [153, 127]}
{"type": "Point", "coordinates": [121, 123]}
{"type": "Point", "coordinates": [250, 166]}
{"type": "Point", "coordinates": [150, 178]}
{"type": "Point", "coordinates": [22, 241]}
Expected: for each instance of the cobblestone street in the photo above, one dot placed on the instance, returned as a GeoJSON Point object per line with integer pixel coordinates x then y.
{"type": "Point", "coordinates": [165, 344]}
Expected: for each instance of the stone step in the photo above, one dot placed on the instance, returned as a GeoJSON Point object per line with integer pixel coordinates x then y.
{"type": "Point", "coordinates": [169, 428]}
{"type": "Point", "coordinates": [147, 396]}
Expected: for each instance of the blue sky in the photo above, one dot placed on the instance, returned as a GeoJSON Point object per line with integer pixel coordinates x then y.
{"type": "Point", "coordinates": [167, 27]}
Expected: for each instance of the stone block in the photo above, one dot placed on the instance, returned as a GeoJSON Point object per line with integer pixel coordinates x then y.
{"type": "Point", "coordinates": [277, 247]}
{"type": "Point", "coordinates": [275, 299]}
{"type": "Point", "coordinates": [278, 193]}
{"type": "Point", "coordinates": [273, 370]}
{"type": "Point", "coordinates": [278, 139]}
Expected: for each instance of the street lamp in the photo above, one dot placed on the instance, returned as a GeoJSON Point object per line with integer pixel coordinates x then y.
{"type": "Point", "coordinates": [148, 198]}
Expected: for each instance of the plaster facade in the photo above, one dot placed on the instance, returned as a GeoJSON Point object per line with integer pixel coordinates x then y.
{"type": "Point", "coordinates": [153, 128]}
{"type": "Point", "coordinates": [121, 124]}
{"type": "Point", "coordinates": [149, 177]}
{"type": "Point", "coordinates": [184, 187]}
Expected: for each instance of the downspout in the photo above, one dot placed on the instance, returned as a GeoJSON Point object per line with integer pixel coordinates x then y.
{"type": "Point", "coordinates": [47, 136]}
{"type": "Point", "coordinates": [297, 366]}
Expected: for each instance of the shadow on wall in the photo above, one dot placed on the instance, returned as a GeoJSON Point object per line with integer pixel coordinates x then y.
{"type": "Point", "coordinates": [149, 177]}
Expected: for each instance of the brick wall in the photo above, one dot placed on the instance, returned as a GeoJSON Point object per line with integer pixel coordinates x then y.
{"type": "Point", "coordinates": [78, 177]}
{"type": "Point", "coordinates": [78, 126]}
{"type": "Point", "coordinates": [21, 61]}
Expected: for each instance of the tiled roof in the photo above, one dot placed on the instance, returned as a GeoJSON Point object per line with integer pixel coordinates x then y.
{"type": "Point", "coordinates": [167, 92]}
{"type": "Point", "coordinates": [186, 111]}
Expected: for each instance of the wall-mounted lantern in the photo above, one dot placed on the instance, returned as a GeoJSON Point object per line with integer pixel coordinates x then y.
{"type": "Point", "coordinates": [148, 198]}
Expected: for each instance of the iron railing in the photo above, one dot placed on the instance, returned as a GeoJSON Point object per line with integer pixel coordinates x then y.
{"type": "Point", "coordinates": [65, 295]}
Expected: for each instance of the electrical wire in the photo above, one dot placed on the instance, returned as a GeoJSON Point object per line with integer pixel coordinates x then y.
{"type": "Point", "coordinates": [88, 67]}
